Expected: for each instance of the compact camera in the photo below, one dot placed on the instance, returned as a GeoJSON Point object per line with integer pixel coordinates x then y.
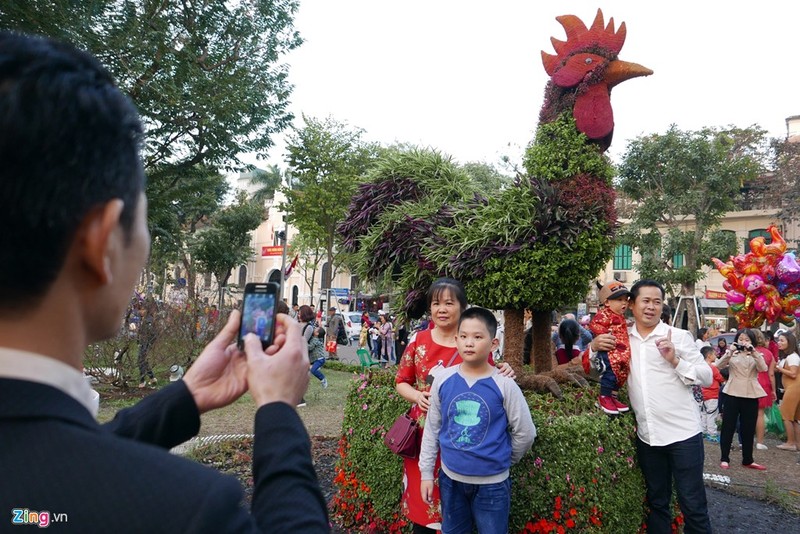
{"type": "Point", "coordinates": [739, 346]}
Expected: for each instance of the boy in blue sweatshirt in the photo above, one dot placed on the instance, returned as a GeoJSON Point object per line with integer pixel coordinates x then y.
{"type": "Point", "coordinates": [481, 422]}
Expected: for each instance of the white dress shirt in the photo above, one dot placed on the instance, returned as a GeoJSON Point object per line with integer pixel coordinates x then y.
{"type": "Point", "coordinates": [660, 395]}
{"type": "Point", "coordinates": [21, 365]}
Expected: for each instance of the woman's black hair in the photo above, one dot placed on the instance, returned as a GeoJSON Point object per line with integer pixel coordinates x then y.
{"type": "Point", "coordinates": [569, 331]}
{"type": "Point", "coordinates": [791, 343]}
{"type": "Point", "coordinates": [442, 285]}
{"type": "Point", "coordinates": [749, 333]}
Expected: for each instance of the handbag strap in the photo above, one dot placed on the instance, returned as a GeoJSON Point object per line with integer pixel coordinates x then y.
{"type": "Point", "coordinates": [453, 358]}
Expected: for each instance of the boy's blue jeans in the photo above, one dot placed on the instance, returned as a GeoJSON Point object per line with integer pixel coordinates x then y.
{"type": "Point", "coordinates": [485, 506]}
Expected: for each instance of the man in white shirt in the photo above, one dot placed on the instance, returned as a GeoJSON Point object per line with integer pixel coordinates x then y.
{"type": "Point", "coordinates": [665, 362]}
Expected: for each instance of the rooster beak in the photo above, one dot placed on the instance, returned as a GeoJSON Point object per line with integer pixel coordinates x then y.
{"type": "Point", "coordinates": [619, 71]}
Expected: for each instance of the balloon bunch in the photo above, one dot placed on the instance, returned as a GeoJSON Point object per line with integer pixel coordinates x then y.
{"type": "Point", "coordinates": [763, 284]}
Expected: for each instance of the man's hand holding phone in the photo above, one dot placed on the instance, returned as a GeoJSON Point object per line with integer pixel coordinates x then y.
{"type": "Point", "coordinates": [279, 373]}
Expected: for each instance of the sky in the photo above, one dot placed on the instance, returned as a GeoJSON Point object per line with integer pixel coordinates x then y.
{"type": "Point", "coordinates": [466, 77]}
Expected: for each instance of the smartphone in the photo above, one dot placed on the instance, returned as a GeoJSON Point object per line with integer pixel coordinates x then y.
{"type": "Point", "coordinates": [258, 313]}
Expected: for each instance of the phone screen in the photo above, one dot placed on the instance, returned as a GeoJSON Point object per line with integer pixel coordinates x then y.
{"type": "Point", "coordinates": [258, 317]}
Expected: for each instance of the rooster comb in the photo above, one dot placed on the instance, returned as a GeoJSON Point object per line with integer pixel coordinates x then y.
{"type": "Point", "coordinates": [579, 37]}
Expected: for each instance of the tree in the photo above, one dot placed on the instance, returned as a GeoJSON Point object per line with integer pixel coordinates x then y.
{"type": "Point", "coordinates": [683, 183]}
{"type": "Point", "coordinates": [787, 177]}
{"type": "Point", "coordinates": [327, 160]}
{"type": "Point", "coordinates": [310, 250]}
{"type": "Point", "coordinates": [267, 181]}
{"type": "Point", "coordinates": [225, 242]}
{"type": "Point", "coordinates": [488, 178]}
{"type": "Point", "coordinates": [206, 77]}
{"type": "Point", "coordinates": [175, 215]}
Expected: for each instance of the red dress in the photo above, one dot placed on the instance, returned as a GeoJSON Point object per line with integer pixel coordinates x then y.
{"type": "Point", "coordinates": [763, 378]}
{"type": "Point", "coordinates": [421, 355]}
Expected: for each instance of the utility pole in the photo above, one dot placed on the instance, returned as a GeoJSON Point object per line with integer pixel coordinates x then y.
{"type": "Point", "coordinates": [282, 237]}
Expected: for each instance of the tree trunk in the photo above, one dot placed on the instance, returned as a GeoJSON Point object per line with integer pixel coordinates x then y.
{"type": "Point", "coordinates": [190, 278]}
{"type": "Point", "coordinates": [222, 282]}
{"type": "Point", "coordinates": [514, 338]}
{"type": "Point", "coordinates": [542, 347]}
{"type": "Point", "coordinates": [691, 309]}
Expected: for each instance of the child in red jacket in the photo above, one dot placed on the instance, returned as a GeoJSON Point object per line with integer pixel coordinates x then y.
{"type": "Point", "coordinates": [614, 365]}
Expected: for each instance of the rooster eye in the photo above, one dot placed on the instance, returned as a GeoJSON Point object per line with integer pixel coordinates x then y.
{"type": "Point", "coordinates": [588, 60]}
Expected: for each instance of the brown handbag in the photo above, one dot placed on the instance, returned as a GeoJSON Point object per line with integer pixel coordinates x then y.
{"type": "Point", "coordinates": [403, 438]}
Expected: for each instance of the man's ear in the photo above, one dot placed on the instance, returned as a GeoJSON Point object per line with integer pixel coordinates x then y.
{"type": "Point", "coordinates": [98, 239]}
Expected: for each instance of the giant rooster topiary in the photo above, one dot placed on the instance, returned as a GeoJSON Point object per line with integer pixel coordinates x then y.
{"type": "Point", "coordinates": [539, 242]}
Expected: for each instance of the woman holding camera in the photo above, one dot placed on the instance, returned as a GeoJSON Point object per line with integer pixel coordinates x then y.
{"type": "Point", "coordinates": [743, 391]}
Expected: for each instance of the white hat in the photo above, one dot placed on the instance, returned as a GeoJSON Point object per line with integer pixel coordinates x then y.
{"type": "Point", "coordinates": [175, 373]}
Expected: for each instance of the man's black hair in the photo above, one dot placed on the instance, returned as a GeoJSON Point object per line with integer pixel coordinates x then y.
{"type": "Point", "coordinates": [645, 283]}
{"type": "Point", "coordinates": [483, 315]}
{"type": "Point", "coordinates": [705, 350]}
{"type": "Point", "coordinates": [69, 142]}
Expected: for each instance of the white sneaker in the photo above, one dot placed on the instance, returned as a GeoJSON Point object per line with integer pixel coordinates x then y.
{"type": "Point", "coordinates": [761, 447]}
{"type": "Point", "coordinates": [324, 382]}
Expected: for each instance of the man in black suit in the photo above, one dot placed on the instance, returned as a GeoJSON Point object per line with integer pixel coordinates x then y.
{"type": "Point", "coordinates": [73, 241]}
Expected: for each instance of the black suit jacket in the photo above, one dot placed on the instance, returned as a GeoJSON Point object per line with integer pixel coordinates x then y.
{"type": "Point", "coordinates": [120, 477]}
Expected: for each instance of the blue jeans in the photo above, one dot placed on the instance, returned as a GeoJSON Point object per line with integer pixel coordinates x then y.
{"type": "Point", "coordinates": [608, 380]}
{"type": "Point", "coordinates": [315, 368]}
{"type": "Point", "coordinates": [683, 462]}
{"type": "Point", "coordinates": [485, 506]}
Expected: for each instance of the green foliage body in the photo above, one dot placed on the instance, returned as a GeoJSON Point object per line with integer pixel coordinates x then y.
{"type": "Point", "coordinates": [581, 469]}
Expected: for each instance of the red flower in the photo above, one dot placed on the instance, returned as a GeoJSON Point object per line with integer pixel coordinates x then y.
{"type": "Point", "coordinates": [570, 523]}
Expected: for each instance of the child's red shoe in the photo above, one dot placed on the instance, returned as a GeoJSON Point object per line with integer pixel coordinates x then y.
{"type": "Point", "coordinates": [606, 403]}
{"type": "Point", "coordinates": [621, 408]}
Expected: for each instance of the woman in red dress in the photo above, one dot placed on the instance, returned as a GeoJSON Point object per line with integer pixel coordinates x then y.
{"type": "Point", "coordinates": [446, 300]}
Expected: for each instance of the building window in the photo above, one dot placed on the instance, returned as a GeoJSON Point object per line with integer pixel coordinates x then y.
{"type": "Point", "coordinates": [207, 281]}
{"type": "Point", "coordinates": [756, 233]}
{"type": "Point", "coordinates": [677, 261]}
{"type": "Point", "coordinates": [622, 258]}
{"type": "Point", "coordinates": [242, 276]}
{"type": "Point", "coordinates": [326, 276]}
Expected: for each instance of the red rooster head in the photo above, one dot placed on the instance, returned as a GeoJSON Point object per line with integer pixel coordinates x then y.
{"type": "Point", "coordinates": [582, 73]}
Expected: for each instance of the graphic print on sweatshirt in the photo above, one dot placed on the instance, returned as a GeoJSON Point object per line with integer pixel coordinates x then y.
{"type": "Point", "coordinates": [470, 417]}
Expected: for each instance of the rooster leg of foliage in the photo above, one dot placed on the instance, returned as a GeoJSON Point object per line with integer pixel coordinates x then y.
{"type": "Point", "coordinates": [513, 321]}
{"type": "Point", "coordinates": [567, 376]}
{"type": "Point", "coordinates": [539, 383]}
{"type": "Point", "coordinates": [541, 348]}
